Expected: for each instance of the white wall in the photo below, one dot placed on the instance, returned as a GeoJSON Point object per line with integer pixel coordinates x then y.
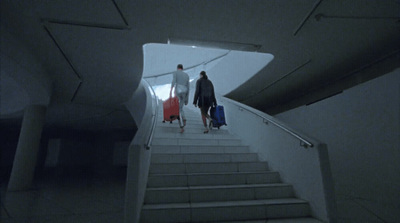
{"type": "Point", "coordinates": [361, 128]}
{"type": "Point", "coordinates": [307, 169]}
{"type": "Point", "coordinates": [142, 107]}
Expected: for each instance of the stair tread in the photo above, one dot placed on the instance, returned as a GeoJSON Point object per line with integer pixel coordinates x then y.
{"type": "Point", "coordinates": [219, 187]}
{"type": "Point", "coordinates": [234, 162]}
{"type": "Point", "coordinates": [195, 137]}
{"type": "Point", "coordinates": [226, 203]}
{"type": "Point", "coordinates": [282, 220]}
{"type": "Point", "coordinates": [208, 163]}
{"type": "Point", "coordinates": [169, 154]}
{"type": "Point", "coordinates": [197, 145]}
{"type": "Point", "coordinates": [164, 134]}
{"type": "Point", "coordinates": [293, 220]}
{"type": "Point", "coordinates": [207, 153]}
{"type": "Point", "coordinates": [176, 125]}
{"type": "Point", "coordinates": [219, 173]}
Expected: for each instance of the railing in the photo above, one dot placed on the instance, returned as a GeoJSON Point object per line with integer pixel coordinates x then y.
{"type": "Point", "coordinates": [303, 142]}
{"type": "Point", "coordinates": [308, 170]}
{"type": "Point", "coordinates": [191, 67]}
{"type": "Point", "coordinates": [154, 116]}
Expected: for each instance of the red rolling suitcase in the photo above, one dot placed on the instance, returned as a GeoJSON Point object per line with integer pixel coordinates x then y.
{"type": "Point", "coordinates": [171, 109]}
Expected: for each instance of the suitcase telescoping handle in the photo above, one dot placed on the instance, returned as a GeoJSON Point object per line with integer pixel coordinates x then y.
{"type": "Point", "coordinates": [170, 98]}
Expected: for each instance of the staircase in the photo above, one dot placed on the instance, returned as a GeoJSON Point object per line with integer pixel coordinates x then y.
{"type": "Point", "coordinates": [196, 177]}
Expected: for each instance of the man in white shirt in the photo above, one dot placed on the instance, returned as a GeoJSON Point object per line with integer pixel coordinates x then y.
{"type": "Point", "coordinates": [180, 82]}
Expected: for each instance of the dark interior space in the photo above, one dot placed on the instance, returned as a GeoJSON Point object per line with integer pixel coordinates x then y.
{"type": "Point", "coordinates": [90, 152]}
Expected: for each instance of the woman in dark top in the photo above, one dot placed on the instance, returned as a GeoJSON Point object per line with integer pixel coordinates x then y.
{"type": "Point", "coordinates": [204, 97]}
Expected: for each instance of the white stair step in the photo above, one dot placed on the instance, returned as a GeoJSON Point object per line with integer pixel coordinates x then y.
{"type": "Point", "coordinates": [181, 168]}
{"type": "Point", "coordinates": [203, 179]}
{"type": "Point", "coordinates": [188, 118]}
{"type": "Point", "coordinates": [174, 127]}
{"type": "Point", "coordinates": [197, 135]}
{"type": "Point", "coordinates": [217, 193]}
{"type": "Point", "coordinates": [203, 142]}
{"type": "Point", "coordinates": [244, 221]}
{"type": "Point", "coordinates": [188, 113]}
{"type": "Point", "coordinates": [175, 124]}
{"type": "Point", "coordinates": [226, 211]}
{"type": "Point", "coordinates": [190, 149]}
{"type": "Point", "coordinates": [189, 122]}
{"type": "Point", "coordinates": [282, 220]}
{"type": "Point", "coordinates": [204, 158]}
{"type": "Point", "coordinates": [294, 220]}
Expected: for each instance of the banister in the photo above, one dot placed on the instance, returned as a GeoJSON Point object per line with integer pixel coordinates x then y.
{"type": "Point", "coordinates": [150, 139]}
{"type": "Point", "coordinates": [191, 67]}
{"type": "Point", "coordinates": [303, 142]}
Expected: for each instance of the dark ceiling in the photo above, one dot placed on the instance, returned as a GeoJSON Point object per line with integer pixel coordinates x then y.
{"type": "Point", "coordinates": [92, 50]}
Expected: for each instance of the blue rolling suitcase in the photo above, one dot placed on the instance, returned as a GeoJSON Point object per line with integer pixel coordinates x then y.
{"type": "Point", "coordinates": [218, 116]}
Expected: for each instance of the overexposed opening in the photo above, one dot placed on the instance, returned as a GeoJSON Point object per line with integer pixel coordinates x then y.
{"type": "Point", "coordinates": [227, 69]}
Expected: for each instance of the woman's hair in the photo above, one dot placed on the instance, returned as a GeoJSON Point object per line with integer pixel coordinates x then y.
{"type": "Point", "coordinates": [204, 74]}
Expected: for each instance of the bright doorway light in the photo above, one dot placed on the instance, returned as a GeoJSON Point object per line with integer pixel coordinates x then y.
{"type": "Point", "coordinates": [162, 91]}
{"type": "Point", "coordinates": [227, 69]}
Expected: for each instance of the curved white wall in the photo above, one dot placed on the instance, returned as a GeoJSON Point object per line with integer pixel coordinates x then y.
{"type": "Point", "coordinates": [143, 108]}
{"type": "Point", "coordinates": [236, 68]}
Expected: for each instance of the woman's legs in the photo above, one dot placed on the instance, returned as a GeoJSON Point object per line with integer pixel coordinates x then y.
{"type": "Point", "coordinates": [205, 116]}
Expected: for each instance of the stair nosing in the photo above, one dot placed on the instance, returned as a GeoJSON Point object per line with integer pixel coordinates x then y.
{"type": "Point", "coordinates": [218, 173]}
{"type": "Point", "coordinates": [207, 153]}
{"type": "Point", "coordinates": [233, 162]}
{"type": "Point", "coordinates": [275, 201]}
{"type": "Point", "coordinates": [207, 145]}
{"type": "Point", "coordinates": [270, 185]}
{"type": "Point", "coordinates": [208, 163]}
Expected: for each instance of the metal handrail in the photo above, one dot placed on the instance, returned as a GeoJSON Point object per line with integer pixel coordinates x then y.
{"type": "Point", "coordinates": [303, 142]}
{"type": "Point", "coordinates": [150, 139]}
{"type": "Point", "coordinates": [191, 67]}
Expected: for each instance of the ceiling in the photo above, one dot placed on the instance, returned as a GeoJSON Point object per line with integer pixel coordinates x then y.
{"type": "Point", "coordinates": [92, 50]}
